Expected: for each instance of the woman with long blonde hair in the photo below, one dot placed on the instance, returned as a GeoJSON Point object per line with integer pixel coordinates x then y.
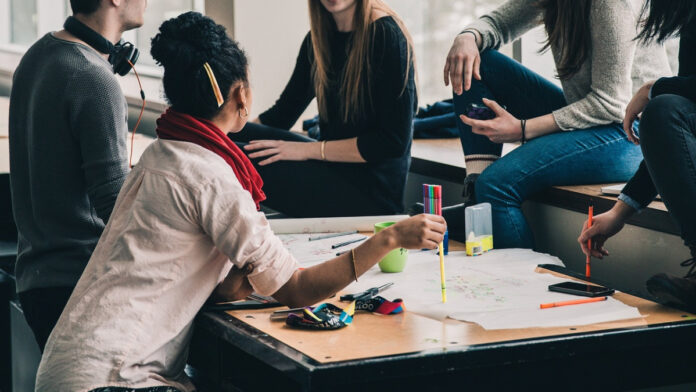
{"type": "Point", "coordinates": [357, 60]}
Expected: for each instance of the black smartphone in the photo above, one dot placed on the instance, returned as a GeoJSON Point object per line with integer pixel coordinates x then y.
{"type": "Point", "coordinates": [586, 290]}
{"type": "Point", "coordinates": [479, 112]}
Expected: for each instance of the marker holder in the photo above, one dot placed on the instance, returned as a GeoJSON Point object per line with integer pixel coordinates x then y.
{"type": "Point", "coordinates": [432, 204]}
{"type": "Point", "coordinates": [479, 229]}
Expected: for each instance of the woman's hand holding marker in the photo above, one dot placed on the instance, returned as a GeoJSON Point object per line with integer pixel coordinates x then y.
{"type": "Point", "coordinates": [603, 227]}
{"type": "Point", "coordinates": [419, 232]}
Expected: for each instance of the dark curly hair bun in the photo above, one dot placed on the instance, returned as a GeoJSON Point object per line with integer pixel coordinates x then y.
{"type": "Point", "coordinates": [182, 46]}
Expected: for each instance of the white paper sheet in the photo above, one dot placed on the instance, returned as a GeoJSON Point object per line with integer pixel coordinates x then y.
{"type": "Point", "coordinates": [498, 290]}
{"type": "Point", "coordinates": [309, 253]}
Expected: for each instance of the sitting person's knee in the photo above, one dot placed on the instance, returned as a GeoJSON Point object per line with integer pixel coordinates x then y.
{"type": "Point", "coordinates": [489, 187]}
{"type": "Point", "coordinates": [660, 116]}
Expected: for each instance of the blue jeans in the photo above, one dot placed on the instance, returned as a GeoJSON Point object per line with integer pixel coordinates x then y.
{"type": "Point", "coordinates": [599, 154]}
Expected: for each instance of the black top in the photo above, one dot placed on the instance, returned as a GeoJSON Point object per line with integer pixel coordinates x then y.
{"type": "Point", "coordinates": [641, 187]}
{"type": "Point", "coordinates": [384, 132]}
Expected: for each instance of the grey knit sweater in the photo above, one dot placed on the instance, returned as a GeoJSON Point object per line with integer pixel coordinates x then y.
{"type": "Point", "coordinates": [67, 158]}
{"type": "Point", "coordinates": [616, 68]}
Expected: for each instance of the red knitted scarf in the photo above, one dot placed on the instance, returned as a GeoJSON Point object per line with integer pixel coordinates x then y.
{"type": "Point", "coordinates": [173, 125]}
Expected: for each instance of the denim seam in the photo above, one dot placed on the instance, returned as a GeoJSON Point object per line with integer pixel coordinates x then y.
{"type": "Point", "coordinates": [511, 220]}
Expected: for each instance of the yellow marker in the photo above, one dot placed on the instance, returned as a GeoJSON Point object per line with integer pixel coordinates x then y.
{"type": "Point", "coordinates": [442, 274]}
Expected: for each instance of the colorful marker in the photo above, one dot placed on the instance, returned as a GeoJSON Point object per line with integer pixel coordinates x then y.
{"type": "Point", "coordinates": [432, 202]}
{"type": "Point", "coordinates": [589, 244]}
{"type": "Point", "coordinates": [572, 302]}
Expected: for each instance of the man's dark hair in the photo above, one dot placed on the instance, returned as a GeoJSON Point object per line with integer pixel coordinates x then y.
{"type": "Point", "coordinates": [662, 19]}
{"type": "Point", "coordinates": [84, 6]}
{"type": "Point", "coordinates": [182, 46]}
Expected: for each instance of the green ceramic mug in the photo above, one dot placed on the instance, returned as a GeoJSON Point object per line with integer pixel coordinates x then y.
{"type": "Point", "coordinates": [394, 261]}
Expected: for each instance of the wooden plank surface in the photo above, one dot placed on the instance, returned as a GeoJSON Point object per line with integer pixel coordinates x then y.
{"type": "Point", "coordinates": [373, 335]}
{"type": "Point", "coordinates": [596, 191]}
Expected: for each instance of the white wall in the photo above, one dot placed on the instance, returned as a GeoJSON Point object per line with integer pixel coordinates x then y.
{"type": "Point", "coordinates": [540, 63]}
{"type": "Point", "coordinates": [271, 32]}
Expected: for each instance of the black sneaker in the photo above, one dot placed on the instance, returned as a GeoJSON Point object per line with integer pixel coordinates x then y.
{"type": "Point", "coordinates": [675, 291]}
{"type": "Point", "coordinates": [469, 193]}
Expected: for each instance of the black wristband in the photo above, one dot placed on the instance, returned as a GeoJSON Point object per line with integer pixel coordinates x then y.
{"type": "Point", "coordinates": [523, 123]}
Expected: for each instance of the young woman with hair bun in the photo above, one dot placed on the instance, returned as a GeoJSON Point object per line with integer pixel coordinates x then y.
{"type": "Point", "coordinates": [185, 227]}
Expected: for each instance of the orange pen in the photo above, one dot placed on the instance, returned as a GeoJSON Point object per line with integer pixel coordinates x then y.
{"type": "Point", "coordinates": [572, 302]}
{"type": "Point", "coordinates": [589, 244]}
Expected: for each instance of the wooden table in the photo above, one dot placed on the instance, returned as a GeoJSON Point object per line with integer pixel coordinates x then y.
{"type": "Point", "coordinates": [246, 350]}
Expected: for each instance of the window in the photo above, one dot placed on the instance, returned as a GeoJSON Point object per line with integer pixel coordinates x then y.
{"type": "Point", "coordinates": [433, 24]}
{"type": "Point", "coordinates": [157, 12]}
{"type": "Point", "coordinates": [23, 29]}
{"type": "Point", "coordinates": [22, 22]}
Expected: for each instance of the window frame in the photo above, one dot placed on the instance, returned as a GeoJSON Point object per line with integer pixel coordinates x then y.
{"type": "Point", "coordinates": [11, 54]}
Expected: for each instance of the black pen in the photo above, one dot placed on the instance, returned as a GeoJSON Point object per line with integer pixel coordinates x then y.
{"type": "Point", "coordinates": [347, 243]}
{"type": "Point", "coordinates": [369, 293]}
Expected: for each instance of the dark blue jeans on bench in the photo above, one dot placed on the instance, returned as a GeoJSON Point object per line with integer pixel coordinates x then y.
{"type": "Point", "coordinates": [600, 154]}
{"type": "Point", "coordinates": [668, 140]}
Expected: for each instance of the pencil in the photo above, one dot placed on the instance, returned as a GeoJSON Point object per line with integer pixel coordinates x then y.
{"type": "Point", "coordinates": [589, 244]}
{"type": "Point", "coordinates": [572, 302]}
{"type": "Point", "coordinates": [438, 205]}
{"type": "Point", "coordinates": [340, 244]}
{"type": "Point", "coordinates": [442, 274]}
{"type": "Point", "coordinates": [332, 235]}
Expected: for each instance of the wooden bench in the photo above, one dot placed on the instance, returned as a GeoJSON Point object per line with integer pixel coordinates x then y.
{"type": "Point", "coordinates": [443, 159]}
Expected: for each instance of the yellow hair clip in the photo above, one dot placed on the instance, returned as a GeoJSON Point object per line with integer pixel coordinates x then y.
{"type": "Point", "coordinates": [214, 83]}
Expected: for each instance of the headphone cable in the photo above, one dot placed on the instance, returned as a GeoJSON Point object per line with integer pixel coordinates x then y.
{"type": "Point", "coordinates": [142, 110]}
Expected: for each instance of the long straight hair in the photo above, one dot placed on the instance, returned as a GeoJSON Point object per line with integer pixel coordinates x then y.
{"type": "Point", "coordinates": [357, 78]}
{"type": "Point", "coordinates": [663, 19]}
{"type": "Point", "coordinates": [567, 24]}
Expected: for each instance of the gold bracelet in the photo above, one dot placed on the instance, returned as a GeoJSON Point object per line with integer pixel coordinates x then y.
{"type": "Point", "coordinates": [355, 269]}
{"type": "Point", "coordinates": [323, 150]}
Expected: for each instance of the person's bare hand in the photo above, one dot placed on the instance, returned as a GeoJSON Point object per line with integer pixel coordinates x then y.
{"type": "Point", "coordinates": [236, 285]}
{"type": "Point", "coordinates": [420, 231]}
{"type": "Point", "coordinates": [279, 150]}
{"type": "Point", "coordinates": [463, 62]}
{"type": "Point", "coordinates": [504, 128]}
{"type": "Point", "coordinates": [603, 227]}
{"type": "Point", "coordinates": [634, 109]}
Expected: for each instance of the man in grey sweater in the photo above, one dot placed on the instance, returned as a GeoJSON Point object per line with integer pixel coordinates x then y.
{"type": "Point", "coordinates": [67, 130]}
